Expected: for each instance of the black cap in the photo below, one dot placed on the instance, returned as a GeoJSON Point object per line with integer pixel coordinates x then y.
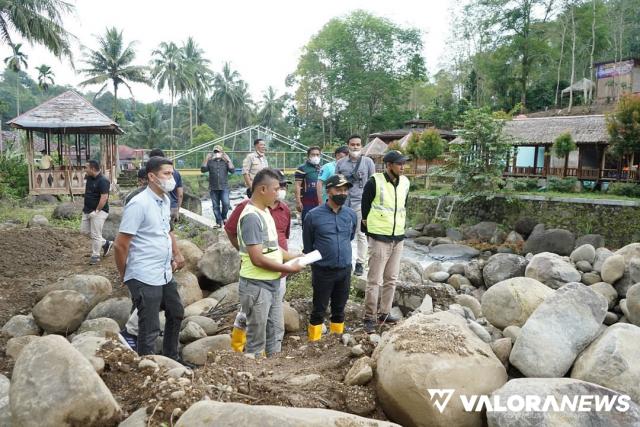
{"type": "Point", "coordinates": [337, 181]}
{"type": "Point", "coordinates": [282, 177]}
{"type": "Point", "coordinates": [344, 150]}
{"type": "Point", "coordinates": [394, 156]}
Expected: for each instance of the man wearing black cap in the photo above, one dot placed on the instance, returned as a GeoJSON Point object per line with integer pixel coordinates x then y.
{"type": "Point", "coordinates": [330, 228]}
{"type": "Point", "coordinates": [383, 211]}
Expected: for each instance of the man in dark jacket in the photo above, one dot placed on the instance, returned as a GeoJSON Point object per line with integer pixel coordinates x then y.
{"type": "Point", "coordinates": [219, 166]}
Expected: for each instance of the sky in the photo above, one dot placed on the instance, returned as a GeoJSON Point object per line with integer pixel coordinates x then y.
{"type": "Point", "coordinates": [261, 39]}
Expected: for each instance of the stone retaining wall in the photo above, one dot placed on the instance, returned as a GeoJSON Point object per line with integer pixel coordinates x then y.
{"type": "Point", "coordinates": [617, 220]}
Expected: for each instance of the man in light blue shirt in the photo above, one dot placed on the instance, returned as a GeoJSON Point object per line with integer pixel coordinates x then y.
{"type": "Point", "coordinates": [146, 255]}
{"type": "Point", "coordinates": [329, 170]}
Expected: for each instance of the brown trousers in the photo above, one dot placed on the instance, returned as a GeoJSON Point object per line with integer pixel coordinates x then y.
{"type": "Point", "coordinates": [384, 267]}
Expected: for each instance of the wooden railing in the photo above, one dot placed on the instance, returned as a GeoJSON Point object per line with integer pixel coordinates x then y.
{"type": "Point", "coordinates": [60, 180]}
{"type": "Point", "coordinates": [590, 174]}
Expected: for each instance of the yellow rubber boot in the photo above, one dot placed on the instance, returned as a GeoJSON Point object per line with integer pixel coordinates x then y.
{"type": "Point", "coordinates": [336, 328]}
{"type": "Point", "coordinates": [238, 339]}
{"type": "Point", "coordinates": [314, 332]}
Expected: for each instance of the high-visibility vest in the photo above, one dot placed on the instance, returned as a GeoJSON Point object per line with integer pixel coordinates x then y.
{"type": "Point", "coordinates": [388, 214]}
{"type": "Point", "coordinates": [270, 247]}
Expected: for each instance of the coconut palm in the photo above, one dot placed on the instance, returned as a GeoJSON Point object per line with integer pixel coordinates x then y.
{"type": "Point", "coordinates": [271, 107]}
{"type": "Point", "coordinates": [112, 62]}
{"type": "Point", "coordinates": [148, 130]}
{"type": "Point", "coordinates": [16, 62]}
{"type": "Point", "coordinates": [36, 21]}
{"type": "Point", "coordinates": [224, 94]}
{"type": "Point", "coordinates": [199, 76]}
{"type": "Point", "coordinates": [243, 108]}
{"type": "Point", "coordinates": [45, 77]}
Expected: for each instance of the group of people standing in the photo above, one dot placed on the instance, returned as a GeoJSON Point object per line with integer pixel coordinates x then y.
{"type": "Point", "coordinates": [339, 202]}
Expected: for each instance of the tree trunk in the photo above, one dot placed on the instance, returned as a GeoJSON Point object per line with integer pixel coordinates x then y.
{"type": "Point", "coordinates": [566, 165]}
{"type": "Point", "coordinates": [427, 183]}
{"type": "Point", "coordinates": [115, 100]}
{"type": "Point", "coordinates": [564, 31]}
{"type": "Point", "coordinates": [224, 123]}
{"type": "Point", "coordinates": [573, 59]}
{"type": "Point", "coordinates": [593, 48]}
{"type": "Point", "coordinates": [196, 111]}
{"type": "Point", "coordinates": [17, 93]}
{"type": "Point", "coordinates": [190, 122]}
{"type": "Point", "coordinates": [171, 122]}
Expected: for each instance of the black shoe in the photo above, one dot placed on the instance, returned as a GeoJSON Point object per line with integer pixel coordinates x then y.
{"type": "Point", "coordinates": [358, 270]}
{"type": "Point", "coordinates": [106, 248]}
{"type": "Point", "coordinates": [369, 326]}
{"type": "Point", "coordinates": [388, 318]}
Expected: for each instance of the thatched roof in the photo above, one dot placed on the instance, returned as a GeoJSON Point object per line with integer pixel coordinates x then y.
{"type": "Point", "coordinates": [66, 113]}
{"type": "Point", "coordinates": [545, 130]}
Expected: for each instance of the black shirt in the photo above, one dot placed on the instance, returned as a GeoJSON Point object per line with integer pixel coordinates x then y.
{"type": "Point", "coordinates": [218, 173]}
{"type": "Point", "coordinates": [95, 187]}
{"type": "Point", "coordinates": [368, 194]}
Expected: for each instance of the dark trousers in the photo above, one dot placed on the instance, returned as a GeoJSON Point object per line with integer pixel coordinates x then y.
{"type": "Point", "coordinates": [149, 300]}
{"type": "Point", "coordinates": [220, 197]}
{"type": "Point", "coordinates": [329, 284]}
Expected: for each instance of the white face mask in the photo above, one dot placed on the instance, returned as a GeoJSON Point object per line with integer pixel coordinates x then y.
{"type": "Point", "coordinates": [282, 194]}
{"type": "Point", "coordinates": [314, 160]}
{"type": "Point", "coordinates": [355, 153]}
{"type": "Point", "coordinates": [217, 155]}
{"type": "Point", "coordinates": [167, 185]}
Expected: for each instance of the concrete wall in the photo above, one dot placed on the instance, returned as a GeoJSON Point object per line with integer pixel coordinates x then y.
{"type": "Point", "coordinates": [617, 220]}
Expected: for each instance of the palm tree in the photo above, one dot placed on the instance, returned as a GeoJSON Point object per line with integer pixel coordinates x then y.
{"type": "Point", "coordinates": [224, 94]}
{"type": "Point", "coordinates": [197, 68]}
{"type": "Point", "coordinates": [45, 77]}
{"type": "Point", "coordinates": [16, 62]}
{"type": "Point", "coordinates": [271, 107]}
{"type": "Point", "coordinates": [37, 21]}
{"type": "Point", "coordinates": [148, 130]}
{"type": "Point", "coordinates": [167, 71]}
{"type": "Point", "coordinates": [243, 107]}
{"type": "Point", "coordinates": [112, 62]}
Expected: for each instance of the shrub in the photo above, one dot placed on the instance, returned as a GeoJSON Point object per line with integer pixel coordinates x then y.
{"type": "Point", "coordinates": [525, 184]}
{"type": "Point", "coordinates": [564, 185]}
{"type": "Point", "coordinates": [624, 189]}
{"type": "Point", "coordinates": [14, 177]}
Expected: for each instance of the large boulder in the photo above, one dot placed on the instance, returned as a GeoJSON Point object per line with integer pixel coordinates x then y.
{"type": "Point", "coordinates": [89, 346]}
{"type": "Point", "coordinates": [612, 269]}
{"type": "Point", "coordinates": [483, 231]}
{"type": "Point", "coordinates": [101, 325]}
{"type": "Point", "coordinates": [220, 263]}
{"type": "Point", "coordinates": [54, 385]}
{"type": "Point", "coordinates": [38, 221]}
{"type": "Point", "coordinates": [410, 296]}
{"type": "Point", "coordinates": [15, 345]}
{"type": "Point", "coordinates": [473, 272]}
{"type": "Point", "coordinates": [552, 270]}
{"type": "Point", "coordinates": [601, 256]}
{"type": "Point", "coordinates": [525, 226]}
{"type": "Point", "coordinates": [452, 251]}
{"type": "Point", "coordinates": [584, 253]}
{"type": "Point", "coordinates": [118, 309]}
{"type": "Point", "coordinates": [208, 413]}
{"type": "Point", "coordinates": [558, 330]}
{"type": "Point", "coordinates": [595, 240]}
{"type": "Point", "coordinates": [434, 230]}
{"type": "Point", "coordinates": [188, 287]}
{"type": "Point", "coordinates": [607, 291]}
{"type": "Point", "coordinates": [555, 240]}
{"type": "Point", "coordinates": [512, 301]}
{"type": "Point", "coordinates": [633, 305]}
{"type": "Point", "coordinates": [227, 294]}
{"type": "Point", "coordinates": [291, 318]}
{"type": "Point", "coordinates": [208, 325]}
{"type": "Point", "coordinates": [630, 251]}
{"type": "Point", "coordinates": [191, 253]}
{"type": "Point", "coordinates": [192, 332]}
{"type": "Point", "coordinates": [630, 277]}
{"type": "Point", "coordinates": [502, 267]}
{"type": "Point", "coordinates": [434, 351]}
{"type": "Point", "coordinates": [559, 390]}
{"type": "Point", "coordinates": [611, 360]}
{"type": "Point", "coordinates": [67, 210]}
{"type": "Point", "coordinates": [197, 351]}
{"type": "Point", "coordinates": [20, 325]}
{"type": "Point", "coordinates": [94, 288]}
{"type": "Point", "coordinates": [410, 272]}
{"type": "Point", "coordinates": [200, 307]}
{"type": "Point", "coordinates": [5, 409]}
{"type": "Point", "coordinates": [61, 312]}
{"type": "Point", "coordinates": [112, 223]}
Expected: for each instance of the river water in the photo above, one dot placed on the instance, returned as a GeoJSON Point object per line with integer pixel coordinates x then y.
{"type": "Point", "coordinates": [412, 251]}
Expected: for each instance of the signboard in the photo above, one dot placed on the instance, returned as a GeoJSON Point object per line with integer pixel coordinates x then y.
{"type": "Point", "coordinates": [614, 69]}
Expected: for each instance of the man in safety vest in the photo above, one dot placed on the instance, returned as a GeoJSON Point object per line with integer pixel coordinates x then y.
{"type": "Point", "coordinates": [383, 211]}
{"type": "Point", "coordinates": [261, 266]}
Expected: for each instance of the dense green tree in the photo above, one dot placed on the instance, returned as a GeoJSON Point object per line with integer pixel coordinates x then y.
{"type": "Point", "coordinates": [148, 130]}
{"type": "Point", "coordinates": [112, 62]}
{"type": "Point", "coordinates": [168, 71]}
{"type": "Point", "coordinates": [271, 108]}
{"type": "Point", "coordinates": [427, 146]}
{"type": "Point", "coordinates": [562, 147]}
{"type": "Point", "coordinates": [225, 92]}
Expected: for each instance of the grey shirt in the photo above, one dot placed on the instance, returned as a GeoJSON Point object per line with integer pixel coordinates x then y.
{"type": "Point", "coordinates": [254, 233]}
{"type": "Point", "coordinates": [358, 178]}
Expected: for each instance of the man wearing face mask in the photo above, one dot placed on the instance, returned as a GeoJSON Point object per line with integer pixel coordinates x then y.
{"type": "Point", "coordinates": [254, 163]}
{"type": "Point", "coordinates": [282, 217]}
{"type": "Point", "coordinates": [330, 228]}
{"type": "Point", "coordinates": [177, 194]}
{"type": "Point", "coordinates": [383, 207]}
{"type": "Point", "coordinates": [357, 169]}
{"type": "Point", "coordinates": [219, 167]}
{"type": "Point", "coordinates": [146, 256]}
{"type": "Point", "coordinates": [96, 210]}
{"type": "Point", "coordinates": [306, 179]}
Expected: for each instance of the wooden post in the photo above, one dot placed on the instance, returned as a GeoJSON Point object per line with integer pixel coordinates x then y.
{"type": "Point", "coordinates": [579, 173]}
{"type": "Point", "coordinates": [602, 162]}
{"type": "Point", "coordinates": [535, 160]}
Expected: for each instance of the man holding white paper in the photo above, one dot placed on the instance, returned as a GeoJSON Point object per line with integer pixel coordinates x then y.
{"type": "Point", "coordinates": [329, 229]}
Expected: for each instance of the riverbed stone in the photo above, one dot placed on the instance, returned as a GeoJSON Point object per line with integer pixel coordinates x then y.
{"type": "Point", "coordinates": [595, 240]}
{"type": "Point", "coordinates": [191, 253]}
{"type": "Point", "coordinates": [118, 309]}
{"type": "Point", "coordinates": [360, 373]}
{"type": "Point", "coordinates": [555, 240]}
{"type": "Point", "coordinates": [95, 288]}
{"type": "Point", "coordinates": [633, 304]}
{"type": "Point", "coordinates": [563, 325]}
{"type": "Point", "coordinates": [512, 301]}
{"type": "Point", "coordinates": [607, 291]}
{"type": "Point", "coordinates": [197, 351]}
{"type": "Point", "coordinates": [473, 272]}
{"type": "Point", "coordinates": [227, 294]}
{"type": "Point", "coordinates": [613, 269]}
{"type": "Point", "coordinates": [208, 325]}
{"type": "Point", "coordinates": [434, 230]}
{"type": "Point", "coordinates": [583, 253]}
{"type": "Point", "coordinates": [200, 307]}
{"type": "Point", "coordinates": [502, 267]}
{"type": "Point", "coordinates": [101, 324]}
{"type": "Point", "coordinates": [17, 344]}
{"type": "Point", "coordinates": [20, 325]}
{"type": "Point", "coordinates": [525, 226]}
{"type": "Point", "coordinates": [601, 255]}
{"type": "Point", "coordinates": [192, 332]}
{"type": "Point", "coordinates": [188, 287]}
{"type": "Point", "coordinates": [591, 278]}
{"type": "Point", "coordinates": [552, 270]}
{"type": "Point", "coordinates": [220, 263]}
{"type": "Point", "coordinates": [61, 312]}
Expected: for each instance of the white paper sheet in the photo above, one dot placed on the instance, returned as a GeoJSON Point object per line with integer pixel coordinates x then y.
{"type": "Point", "coordinates": [307, 259]}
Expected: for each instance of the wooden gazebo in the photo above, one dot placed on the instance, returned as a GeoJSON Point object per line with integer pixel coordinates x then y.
{"type": "Point", "coordinates": [68, 125]}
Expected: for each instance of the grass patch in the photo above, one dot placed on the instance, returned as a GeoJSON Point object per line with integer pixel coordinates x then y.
{"type": "Point", "coordinates": [299, 287]}
{"type": "Point", "coordinates": [584, 195]}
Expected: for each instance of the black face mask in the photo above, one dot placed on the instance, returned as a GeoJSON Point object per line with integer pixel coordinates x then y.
{"type": "Point", "coordinates": [339, 199]}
